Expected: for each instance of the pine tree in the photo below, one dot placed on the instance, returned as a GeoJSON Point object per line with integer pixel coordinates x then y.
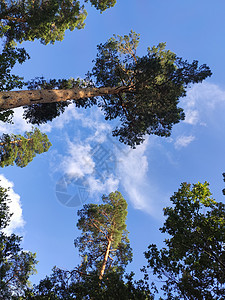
{"type": "Point", "coordinates": [46, 20]}
{"type": "Point", "coordinates": [15, 265]}
{"type": "Point", "coordinates": [20, 149]}
{"type": "Point", "coordinates": [192, 263]}
{"type": "Point", "coordinates": [105, 252]}
{"type": "Point", "coordinates": [104, 243]}
{"type": "Point", "coordinates": [142, 92]}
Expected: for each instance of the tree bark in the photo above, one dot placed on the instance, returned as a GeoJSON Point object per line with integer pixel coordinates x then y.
{"type": "Point", "coordinates": [14, 142]}
{"type": "Point", "coordinates": [13, 99]}
{"type": "Point", "coordinates": [106, 256]}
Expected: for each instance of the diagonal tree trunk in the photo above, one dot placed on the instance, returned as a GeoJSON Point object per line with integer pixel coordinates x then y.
{"type": "Point", "coordinates": [106, 256]}
{"type": "Point", "coordinates": [15, 142]}
{"type": "Point", "coordinates": [13, 99]}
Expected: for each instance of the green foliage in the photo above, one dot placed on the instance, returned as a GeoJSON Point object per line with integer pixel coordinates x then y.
{"type": "Point", "coordinates": [21, 150]}
{"type": "Point", "coordinates": [4, 209]}
{"type": "Point", "coordinates": [102, 4]}
{"type": "Point", "coordinates": [15, 265]}
{"type": "Point", "coordinates": [66, 285]}
{"type": "Point", "coordinates": [153, 85]}
{"type": "Point", "coordinates": [8, 58]}
{"type": "Point", "coordinates": [103, 224]}
{"type": "Point", "coordinates": [45, 20]}
{"type": "Point", "coordinates": [192, 265]}
{"type": "Point", "coordinates": [149, 89]}
{"type": "Point", "coordinates": [41, 113]}
{"type": "Point", "coordinates": [224, 181]}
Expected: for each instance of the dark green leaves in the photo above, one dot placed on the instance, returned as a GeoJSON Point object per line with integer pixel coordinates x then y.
{"type": "Point", "coordinates": [154, 82]}
{"type": "Point", "coordinates": [45, 20]}
{"type": "Point", "coordinates": [42, 113]}
{"type": "Point", "coordinates": [102, 4]}
{"type": "Point", "coordinates": [63, 284]}
{"type": "Point", "coordinates": [15, 265]}
{"type": "Point", "coordinates": [104, 225]}
{"type": "Point", "coordinates": [8, 58]}
{"type": "Point", "coordinates": [145, 91]}
{"type": "Point", "coordinates": [192, 264]}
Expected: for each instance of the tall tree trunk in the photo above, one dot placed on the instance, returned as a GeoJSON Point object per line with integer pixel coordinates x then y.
{"type": "Point", "coordinates": [13, 99]}
{"type": "Point", "coordinates": [106, 256]}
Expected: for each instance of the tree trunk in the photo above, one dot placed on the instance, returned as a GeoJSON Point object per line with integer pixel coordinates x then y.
{"type": "Point", "coordinates": [14, 142]}
{"type": "Point", "coordinates": [13, 99]}
{"type": "Point", "coordinates": [105, 258]}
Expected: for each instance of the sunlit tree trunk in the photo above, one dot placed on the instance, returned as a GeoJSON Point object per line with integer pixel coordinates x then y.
{"type": "Point", "coordinates": [13, 99]}
{"type": "Point", "coordinates": [105, 258]}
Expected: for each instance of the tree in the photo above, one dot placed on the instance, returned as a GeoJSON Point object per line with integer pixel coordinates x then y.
{"type": "Point", "coordinates": [142, 92]}
{"type": "Point", "coordinates": [105, 251]}
{"type": "Point", "coordinates": [16, 148]}
{"type": "Point", "coordinates": [192, 263]}
{"type": "Point", "coordinates": [104, 243]}
{"type": "Point", "coordinates": [15, 265]}
{"type": "Point", "coordinates": [65, 285]}
{"type": "Point", "coordinates": [21, 150]}
{"type": "Point", "coordinates": [8, 58]}
{"type": "Point", "coordinates": [46, 20]}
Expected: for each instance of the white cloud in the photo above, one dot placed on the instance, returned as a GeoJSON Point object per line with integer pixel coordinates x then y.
{"type": "Point", "coordinates": [201, 101]}
{"type": "Point", "coordinates": [109, 184]}
{"type": "Point", "coordinates": [19, 124]}
{"type": "Point", "coordinates": [183, 141]}
{"type": "Point", "coordinates": [15, 207]}
{"type": "Point", "coordinates": [78, 161]}
{"type": "Point", "coordinates": [129, 171]}
{"type": "Point", "coordinates": [191, 117]}
{"type": "Point", "coordinates": [132, 171]}
{"type": "Point", "coordinates": [91, 119]}
{"type": "Point", "coordinates": [70, 114]}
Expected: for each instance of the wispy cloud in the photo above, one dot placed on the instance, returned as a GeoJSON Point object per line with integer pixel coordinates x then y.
{"type": "Point", "coordinates": [87, 157]}
{"type": "Point", "coordinates": [19, 124]}
{"type": "Point", "coordinates": [191, 116]}
{"type": "Point", "coordinates": [129, 170]}
{"type": "Point", "coordinates": [183, 141]}
{"type": "Point", "coordinates": [15, 207]}
{"type": "Point", "coordinates": [132, 167]}
{"type": "Point", "coordinates": [132, 171]}
{"type": "Point", "coordinates": [201, 100]}
{"type": "Point", "coordinates": [78, 162]}
{"type": "Point", "coordinates": [82, 161]}
{"type": "Point", "coordinates": [105, 164]}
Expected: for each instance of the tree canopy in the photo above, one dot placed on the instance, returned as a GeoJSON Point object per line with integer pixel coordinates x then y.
{"type": "Point", "coordinates": [142, 92]}
{"type": "Point", "coordinates": [20, 149]}
{"type": "Point", "coordinates": [15, 265]}
{"type": "Point", "coordinates": [45, 20]}
{"type": "Point", "coordinates": [105, 251]}
{"type": "Point", "coordinates": [104, 243]}
{"type": "Point", "coordinates": [192, 263]}
{"type": "Point", "coordinates": [9, 56]}
{"type": "Point", "coordinates": [63, 284]}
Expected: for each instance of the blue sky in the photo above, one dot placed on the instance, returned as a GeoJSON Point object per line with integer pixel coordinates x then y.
{"type": "Point", "coordinates": [147, 176]}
